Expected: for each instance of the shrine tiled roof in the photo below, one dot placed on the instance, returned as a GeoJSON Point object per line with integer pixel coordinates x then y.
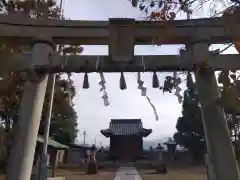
{"type": "Point", "coordinates": [52, 143]}
{"type": "Point", "coordinates": [121, 127]}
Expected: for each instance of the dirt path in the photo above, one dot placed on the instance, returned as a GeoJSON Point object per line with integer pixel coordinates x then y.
{"type": "Point", "coordinates": [99, 176]}
{"type": "Point", "coordinates": [107, 174]}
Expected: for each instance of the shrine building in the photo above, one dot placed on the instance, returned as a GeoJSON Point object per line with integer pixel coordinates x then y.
{"type": "Point", "coordinates": [126, 138]}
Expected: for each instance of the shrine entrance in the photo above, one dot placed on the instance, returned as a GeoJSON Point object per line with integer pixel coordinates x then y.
{"type": "Point", "coordinates": [126, 138]}
{"type": "Point", "coordinates": [127, 154]}
{"type": "Point", "coordinates": [121, 35]}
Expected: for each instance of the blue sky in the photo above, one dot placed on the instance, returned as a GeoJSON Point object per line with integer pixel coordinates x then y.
{"type": "Point", "coordinates": [92, 114]}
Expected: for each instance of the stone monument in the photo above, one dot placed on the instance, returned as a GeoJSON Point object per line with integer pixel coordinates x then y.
{"type": "Point", "coordinates": [92, 167]}
{"type": "Point", "coordinates": [160, 164]}
{"type": "Point", "coordinates": [171, 148]}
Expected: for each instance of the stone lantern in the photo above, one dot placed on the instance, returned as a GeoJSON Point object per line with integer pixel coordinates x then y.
{"type": "Point", "coordinates": [92, 167]}
{"type": "Point", "coordinates": [160, 163]}
{"type": "Point", "coordinates": [171, 147]}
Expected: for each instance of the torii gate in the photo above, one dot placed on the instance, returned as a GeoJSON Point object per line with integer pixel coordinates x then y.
{"type": "Point", "coordinates": [121, 35]}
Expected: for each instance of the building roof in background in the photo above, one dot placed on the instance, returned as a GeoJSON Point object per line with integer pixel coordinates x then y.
{"type": "Point", "coordinates": [170, 141]}
{"type": "Point", "coordinates": [52, 143]}
{"type": "Point", "coordinates": [122, 127]}
{"type": "Point", "coordinates": [83, 146]}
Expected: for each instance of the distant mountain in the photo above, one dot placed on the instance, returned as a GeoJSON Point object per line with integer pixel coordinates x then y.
{"type": "Point", "coordinates": [154, 142]}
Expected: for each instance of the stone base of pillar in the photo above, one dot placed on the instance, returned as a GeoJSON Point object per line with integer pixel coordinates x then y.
{"type": "Point", "coordinates": [161, 168]}
{"type": "Point", "coordinates": [209, 169]}
{"type": "Point", "coordinates": [92, 168]}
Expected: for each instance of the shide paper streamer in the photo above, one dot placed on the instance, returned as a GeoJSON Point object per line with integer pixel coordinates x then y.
{"type": "Point", "coordinates": [155, 84]}
{"type": "Point", "coordinates": [102, 85]}
{"type": "Point", "coordinates": [144, 93]}
{"type": "Point", "coordinates": [103, 89]}
{"type": "Point", "coordinates": [177, 82]}
{"type": "Point", "coordinates": [153, 107]}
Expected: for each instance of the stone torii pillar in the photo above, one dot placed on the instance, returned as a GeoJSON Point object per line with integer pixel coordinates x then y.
{"type": "Point", "coordinates": [22, 153]}
{"type": "Point", "coordinates": [219, 146]}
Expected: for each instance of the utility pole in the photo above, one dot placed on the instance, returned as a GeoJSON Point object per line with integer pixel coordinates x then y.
{"type": "Point", "coordinates": [84, 137]}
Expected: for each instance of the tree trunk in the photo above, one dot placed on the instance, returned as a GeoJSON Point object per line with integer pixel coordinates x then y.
{"type": "Point", "coordinates": [8, 134]}
{"type": "Point", "coordinates": [234, 126]}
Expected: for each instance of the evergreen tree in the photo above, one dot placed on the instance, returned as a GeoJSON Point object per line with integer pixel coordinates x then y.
{"type": "Point", "coordinates": [64, 119]}
{"type": "Point", "coordinates": [189, 126]}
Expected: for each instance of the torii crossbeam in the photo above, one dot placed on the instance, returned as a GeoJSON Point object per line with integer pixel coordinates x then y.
{"type": "Point", "coordinates": [79, 64]}
{"type": "Point", "coordinates": [218, 30]}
